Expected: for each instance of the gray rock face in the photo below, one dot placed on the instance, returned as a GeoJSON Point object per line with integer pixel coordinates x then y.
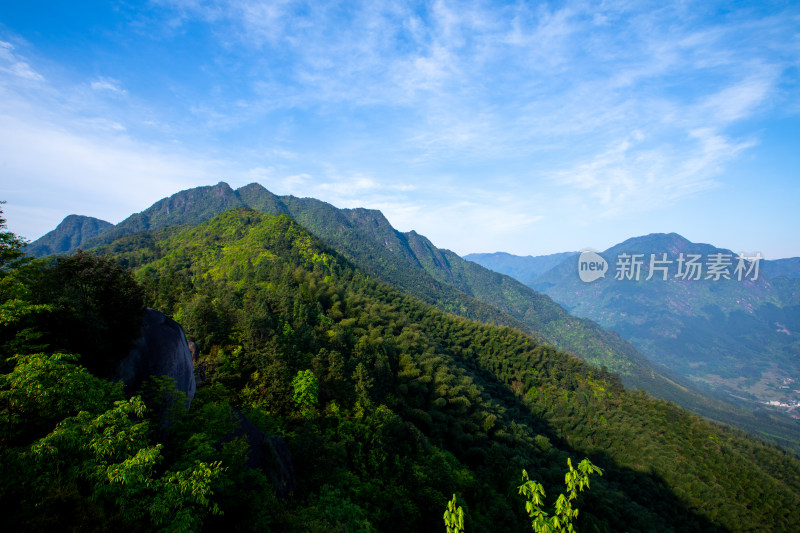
{"type": "Point", "coordinates": [161, 350]}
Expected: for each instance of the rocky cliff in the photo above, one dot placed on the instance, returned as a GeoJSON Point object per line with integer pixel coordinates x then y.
{"type": "Point", "coordinates": [161, 350]}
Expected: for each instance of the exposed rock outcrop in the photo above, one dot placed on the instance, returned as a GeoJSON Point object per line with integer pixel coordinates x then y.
{"type": "Point", "coordinates": [195, 351]}
{"type": "Point", "coordinates": [161, 350]}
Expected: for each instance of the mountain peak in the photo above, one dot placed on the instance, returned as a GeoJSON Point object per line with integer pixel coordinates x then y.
{"type": "Point", "coordinates": [669, 243]}
{"type": "Point", "coordinates": [657, 239]}
{"type": "Point", "coordinates": [70, 234]}
{"type": "Point", "coordinates": [259, 198]}
{"type": "Point", "coordinates": [363, 214]}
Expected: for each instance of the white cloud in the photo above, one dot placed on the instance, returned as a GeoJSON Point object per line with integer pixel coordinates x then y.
{"type": "Point", "coordinates": [12, 63]}
{"type": "Point", "coordinates": [633, 177]}
{"type": "Point", "coordinates": [110, 85]}
{"type": "Point", "coordinates": [348, 187]}
{"type": "Point", "coordinates": [740, 100]}
{"type": "Point", "coordinates": [296, 180]}
{"type": "Point", "coordinates": [99, 124]}
{"type": "Point", "coordinates": [467, 226]}
{"type": "Point", "coordinates": [54, 170]}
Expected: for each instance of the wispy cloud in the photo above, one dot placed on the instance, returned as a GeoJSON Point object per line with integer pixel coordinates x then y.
{"type": "Point", "coordinates": [15, 65]}
{"type": "Point", "coordinates": [58, 171]}
{"type": "Point", "coordinates": [109, 85]}
{"type": "Point", "coordinates": [633, 177]}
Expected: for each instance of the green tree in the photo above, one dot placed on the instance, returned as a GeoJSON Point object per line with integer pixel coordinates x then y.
{"type": "Point", "coordinates": [306, 392]}
{"type": "Point", "coordinates": [10, 245]}
{"type": "Point", "coordinates": [18, 312]}
{"type": "Point", "coordinates": [363, 385]}
{"type": "Point", "coordinates": [44, 388]}
{"type": "Point", "coordinates": [454, 517]}
{"type": "Point", "coordinates": [112, 454]}
{"type": "Point", "coordinates": [97, 307]}
{"type": "Point", "coordinates": [563, 513]}
{"type": "Point", "coordinates": [75, 444]}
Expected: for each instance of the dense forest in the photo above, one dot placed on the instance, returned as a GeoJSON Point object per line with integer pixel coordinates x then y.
{"type": "Point", "coordinates": [388, 405]}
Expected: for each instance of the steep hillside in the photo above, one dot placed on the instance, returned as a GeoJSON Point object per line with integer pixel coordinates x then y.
{"type": "Point", "coordinates": [412, 263]}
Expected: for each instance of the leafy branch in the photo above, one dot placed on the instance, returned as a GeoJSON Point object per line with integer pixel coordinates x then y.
{"type": "Point", "coordinates": [561, 517]}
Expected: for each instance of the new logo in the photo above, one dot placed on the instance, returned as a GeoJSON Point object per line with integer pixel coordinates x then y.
{"type": "Point", "coordinates": [591, 266]}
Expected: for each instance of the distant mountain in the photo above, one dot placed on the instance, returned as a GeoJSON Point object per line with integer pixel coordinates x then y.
{"type": "Point", "coordinates": [71, 233]}
{"type": "Point", "coordinates": [413, 264]}
{"type": "Point", "coordinates": [525, 269]}
{"type": "Point", "coordinates": [789, 268]}
{"type": "Point", "coordinates": [740, 337]}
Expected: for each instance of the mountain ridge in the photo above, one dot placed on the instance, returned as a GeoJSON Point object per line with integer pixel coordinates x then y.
{"type": "Point", "coordinates": [367, 236]}
{"type": "Point", "coordinates": [412, 263]}
{"type": "Point", "coordinates": [493, 399]}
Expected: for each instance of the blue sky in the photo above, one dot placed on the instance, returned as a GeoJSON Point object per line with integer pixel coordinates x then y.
{"type": "Point", "coordinates": [526, 127]}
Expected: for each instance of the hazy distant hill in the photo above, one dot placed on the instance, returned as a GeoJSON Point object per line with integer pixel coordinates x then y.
{"type": "Point", "coordinates": [789, 268]}
{"type": "Point", "coordinates": [737, 336]}
{"type": "Point", "coordinates": [70, 234]}
{"type": "Point", "coordinates": [413, 264]}
{"type": "Point", "coordinates": [525, 269]}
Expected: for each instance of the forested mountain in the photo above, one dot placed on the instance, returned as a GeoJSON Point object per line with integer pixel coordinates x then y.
{"type": "Point", "coordinates": [414, 265]}
{"type": "Point", "coordinates": [71, 233]}
{"type": "Point", "coordinates": [737, 335]}
{"type": "Point", "coordinates": [388, 405]}
{"type": "Point", "coordinates": [191, 206]}
{"type": "Point", "coordinates": [407, 260]}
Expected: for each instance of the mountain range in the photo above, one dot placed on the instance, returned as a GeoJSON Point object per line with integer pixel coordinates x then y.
{"type": "Point", "coordinates": [414, 404]}
{"type": "Point", "coordinates": [736, 336]}
{"type": "Point", "coordinates": [387, 404]}
{"type": "Point", "coordinates": [411, 263]}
